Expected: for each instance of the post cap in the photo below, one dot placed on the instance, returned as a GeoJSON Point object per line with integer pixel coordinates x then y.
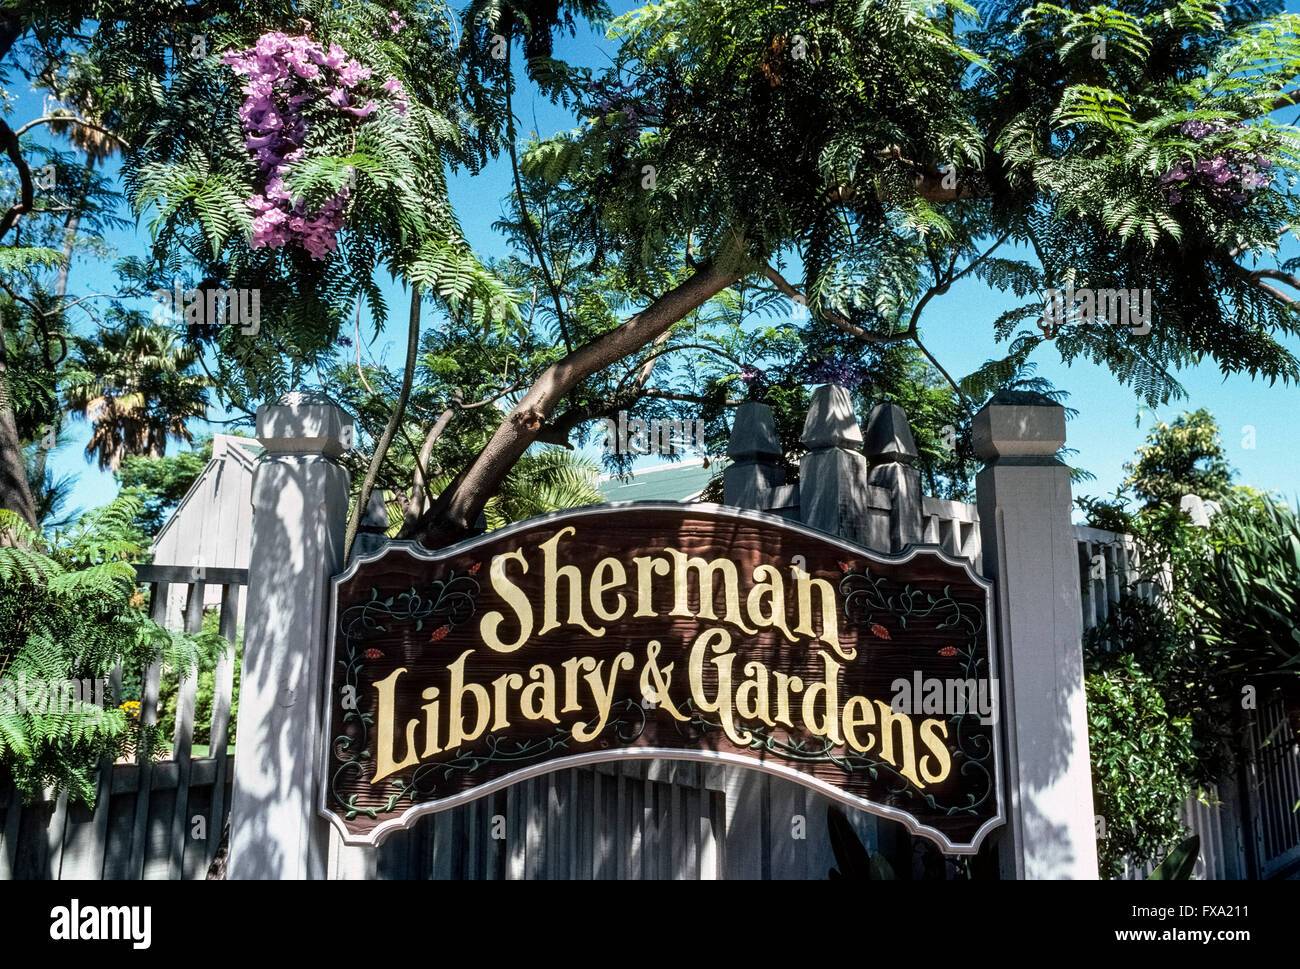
{"type": "Point", "coordinates": [753, 433]}
{"type": "Point", "coordinates": [830, 421]}
{"type": "Point", "coordinates": [305, 422]}
{"type": "Point", "coordinates": [1019, 423]}
{"type": "Point", "coordinates": [889, 436]}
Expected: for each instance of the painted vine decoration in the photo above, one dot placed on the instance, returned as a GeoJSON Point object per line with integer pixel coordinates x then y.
{"type": "Point", "coordinates": [867, 598]}
{"type": "Point", "coordinates": [453, 598]}
{"type": "Point", "coordinates": [823, 751]}
{"type": "Point", "coordinates": [626, 729]}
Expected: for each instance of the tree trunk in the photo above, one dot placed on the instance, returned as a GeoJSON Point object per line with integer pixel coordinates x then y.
{"type": "Point", "coordinates": [217, 870]}
{"type": "Point", "coordinates": [15, 495]}
{"type": "Point", "coordinates": [70, 226]}
{"type": "Point", "coordinates": [456, 509]}
{"type": "Point", "coordinates": [419, 500]}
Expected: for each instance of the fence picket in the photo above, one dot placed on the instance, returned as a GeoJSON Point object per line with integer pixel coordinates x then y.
{"type": "Point", "coordinates": [183, 736]}
{"type": "Point", "coordinates": [148, 718]}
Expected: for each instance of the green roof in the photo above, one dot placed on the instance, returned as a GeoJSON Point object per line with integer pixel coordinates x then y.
{"type": "Point", "coordinates": [672, 482]}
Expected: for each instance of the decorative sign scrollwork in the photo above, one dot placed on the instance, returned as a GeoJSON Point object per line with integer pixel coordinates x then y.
{"type": "Point", "coordinates": [656, 630]}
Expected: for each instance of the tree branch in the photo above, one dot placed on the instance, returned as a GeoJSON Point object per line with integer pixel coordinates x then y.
{"type": "Point", "coordinates": [529, 229]}
{"type": "Point", "coordinates": [688, 398]}
{"type": "Point", "coordinates": [381, 449]}
{"type": "Point", "coordinates": [459, 505]}
{"type": "Point", "coordinates": [72, 119]}
{"type": "Point", "coordinates": [1237, 250]}
{"type": "Point", "coordinates": [28, 192]}
{"type": "Point", "coordinates": [848, 326]}
{"type": "Point", "coordinates": [419, 482]}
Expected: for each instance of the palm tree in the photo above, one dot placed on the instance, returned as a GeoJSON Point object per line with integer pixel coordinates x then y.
{"type": "Point", "coordinates": [136, 386]}
{"type": "Point", "coordinates": [546, 481]}
{"type": "Point", "coordinates": [98, 145]}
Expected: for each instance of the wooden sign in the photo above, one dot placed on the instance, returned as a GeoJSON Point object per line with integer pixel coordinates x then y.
{"type": "Point", "coordinates": [661, 630]}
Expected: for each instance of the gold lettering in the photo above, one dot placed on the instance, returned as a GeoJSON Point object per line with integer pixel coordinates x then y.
{"type": "Point", "coordinates": [719, 641]}
{"type": "Point", "coordinates": [757, 709]}
{"type": "Point", "coordinates": [784, 686]}
{"type": "Point", "coordinates": [385, 762]}
{"type": "Point", "coordinates": [599, 585]}
{"type": "Point", "coordinates": [553, 574]}
{"type": "Point", "coordinates": [545, 686]}
{"type": "Point", "coordinates": [604, 694]}
{"type": "Point", "coordinates": [571, 668]}
{"type": "Point", "coordinates": [430, 722]}
{"type": "Point", "coordinates": [888, 718]}
{"type": "Point", "coordinates": [704, 573]}
{"type": "Point", "coordinates": [830, 621]}
{"type": "Point", "coordinates": [514, 597]}
{"type": "Point", "coordinates": [937, 747]}
{"type": "Point", "coordinates": [506, 681]}
{"type": "Point", "coordinates": [645, 565]}
{"type": "Point", "coordinates": [774, 591]}
{"type": "Point", "coordinates": [829, 688]}
{"type": "Point", "coordinates": [456, 732]}
{"type": "Point", "coordinates": [852, 721]}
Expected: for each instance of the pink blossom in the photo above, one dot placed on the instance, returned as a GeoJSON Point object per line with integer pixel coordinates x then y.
{"type": "Point", "coordinates": [353, 73]}
{"type": "Point", "coordinates": [286, 77]}
{"type": "Point", "coordinates": [362, 112]}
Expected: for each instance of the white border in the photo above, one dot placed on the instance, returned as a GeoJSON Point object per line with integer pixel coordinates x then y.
{"type": "Point", "coordinates": [381, 831]}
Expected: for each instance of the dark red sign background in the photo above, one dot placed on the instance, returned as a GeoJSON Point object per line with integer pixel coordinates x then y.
{"type": "Point", "coordinates": [411, 609]}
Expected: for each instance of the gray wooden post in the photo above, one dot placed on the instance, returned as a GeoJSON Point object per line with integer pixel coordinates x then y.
{"type": "Point", "coordinates": [833, 474]}
{"type": "Point", "coordinates": [834, 497]}
{"type": "Point", "coordinates": [371, 533]}
{"type": "Point", "coordinates": [1023, 494]}
{"type": "Point", "coordinates": [300, 503]}
{"type": "Point", "coordinates": [755, 452]}
{"type": "Point", "coordinates": [890, 450]}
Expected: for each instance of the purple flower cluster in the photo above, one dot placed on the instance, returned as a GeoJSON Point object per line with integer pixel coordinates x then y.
{"type": "Point", "coordinates": [1226, 177]}
{"type": "Point", "coordinates": [286, 75]}
{"type": "Point", "coordinates": [846, 373]}
{"type": "Point", "coordinates": [750, 374]}
{"type": "Point", "coordinates": [615, 97]}
{"type": "Point", "coordinates": [395, 21]}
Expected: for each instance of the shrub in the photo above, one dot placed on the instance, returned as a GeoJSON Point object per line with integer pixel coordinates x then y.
{"type": "Point", "coordinates": [1142, 762]}
{"type": "Point", "coordinates": [68, 612]}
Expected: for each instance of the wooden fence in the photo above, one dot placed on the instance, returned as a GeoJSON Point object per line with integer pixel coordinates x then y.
{"type": "Point", "coordinates": [1250, 828]}
{"type": "Point", "coordinates": [652, 819]}
{"type": "Point", "coordinates": [148, 815]}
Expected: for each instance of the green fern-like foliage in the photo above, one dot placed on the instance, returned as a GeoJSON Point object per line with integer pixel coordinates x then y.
{"type": "Point", "coordinates": [550, 480]}
{"type": "Point", "coordinates": [189, 176]}
{"type": "Point", "coordinates": [68, 611]}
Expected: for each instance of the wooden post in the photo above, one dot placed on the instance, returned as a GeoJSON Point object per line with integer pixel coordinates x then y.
{"type": "Point", "coordinates": [1029, 551]}
{"type": "Point", "coordinates": [833, 474]}
{"type": "Point", "coordinates": [834, 496]}
{"type": "Point", "coordinates": [300, 503]}
{"type": "Point", "coordinates": [891, 450]}
{"type": "Point", "coordinates": [755, 452]}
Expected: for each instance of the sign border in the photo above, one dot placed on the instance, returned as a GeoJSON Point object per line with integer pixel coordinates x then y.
{"type": "Point", "coordinates": [380, 832]}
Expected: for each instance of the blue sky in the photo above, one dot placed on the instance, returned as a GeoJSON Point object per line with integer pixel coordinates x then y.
{"type": "Point", "coordinates": [1110, 425]}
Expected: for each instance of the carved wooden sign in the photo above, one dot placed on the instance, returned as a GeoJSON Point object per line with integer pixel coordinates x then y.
{"type": "Point", "coordinates": [661, 630]}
